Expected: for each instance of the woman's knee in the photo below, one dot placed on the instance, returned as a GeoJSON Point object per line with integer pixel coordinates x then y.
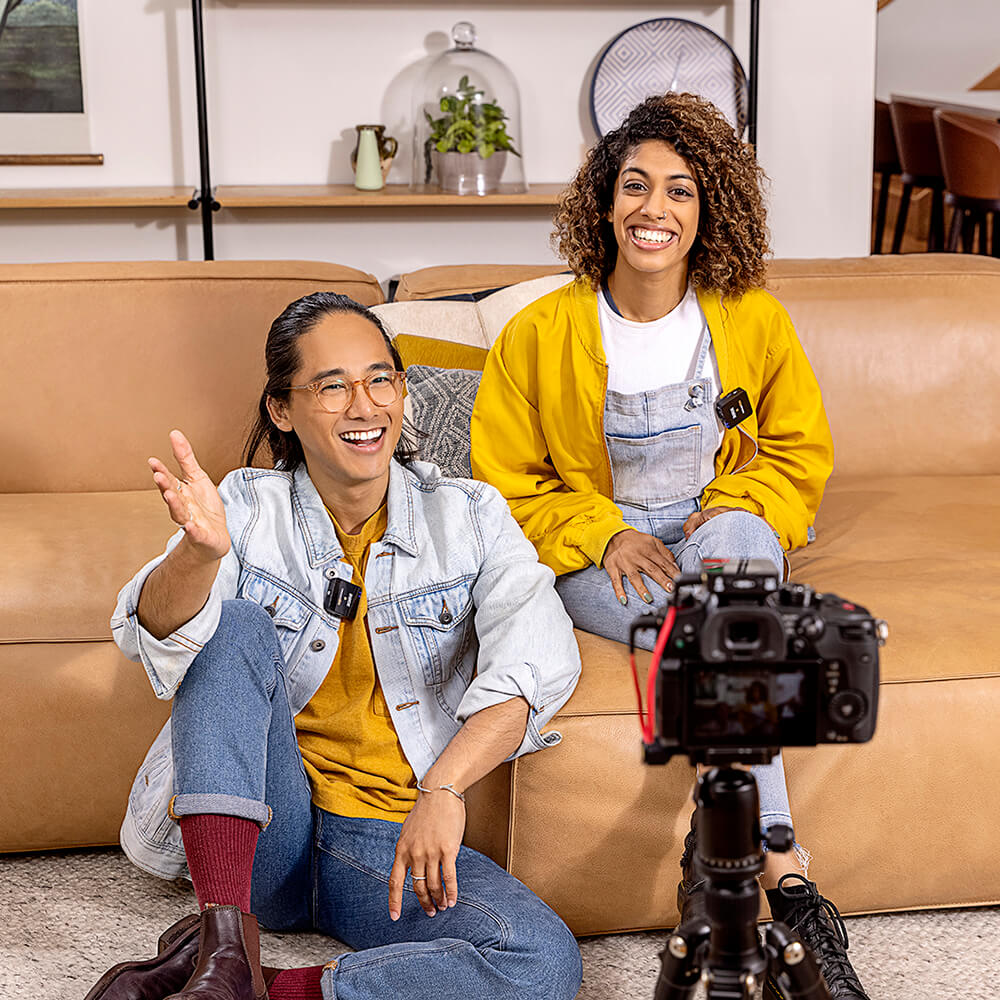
{"type": "Point", "coordinates": [734, 534]}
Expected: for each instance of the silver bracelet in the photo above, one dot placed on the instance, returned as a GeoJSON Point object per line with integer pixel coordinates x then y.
{"type": "Point", "coordinates": [444, 788]}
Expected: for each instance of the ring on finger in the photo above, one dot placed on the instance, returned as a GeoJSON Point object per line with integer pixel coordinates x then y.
{"type": "Point", "coordinates": [418, 878]}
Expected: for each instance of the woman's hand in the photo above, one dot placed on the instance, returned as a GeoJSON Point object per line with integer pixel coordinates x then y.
{"type": "Point", "coordinates": [193, 501]}
{"type": "Point", "coordinates": [631, 553]}
{"type": "Point", "coordinates": [428, 845]}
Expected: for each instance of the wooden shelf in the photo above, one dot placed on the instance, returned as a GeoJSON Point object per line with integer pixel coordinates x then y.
{"type": "Point", "coordinates": [136, 197]}
{"type": "Point", "coordinates": [391, 196]}
{"type": "Point", "coordinates": [274, 196]}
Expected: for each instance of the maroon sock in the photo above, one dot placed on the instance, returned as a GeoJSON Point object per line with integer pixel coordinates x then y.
{"type": "Point", "coordinates": [297, 984]}
{"type": "Point", "coordinates": [220, 853]}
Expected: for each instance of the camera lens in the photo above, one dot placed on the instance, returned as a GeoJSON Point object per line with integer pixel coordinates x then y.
{"type": "Point", "coordinates": [743, 634]}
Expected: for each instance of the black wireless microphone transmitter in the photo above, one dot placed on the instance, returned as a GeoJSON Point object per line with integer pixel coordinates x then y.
{"type": "Point", "coordinates": [733, 408]}
{"type": "Point", "coordinates": [342, 599]}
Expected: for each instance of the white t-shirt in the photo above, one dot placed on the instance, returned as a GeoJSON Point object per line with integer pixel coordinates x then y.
{"type": "Point", "coordinates": [645, 356]}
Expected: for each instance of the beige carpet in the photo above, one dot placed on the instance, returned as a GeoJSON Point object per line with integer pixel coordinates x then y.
{"type": "Point", "coordinates": [67, 917]}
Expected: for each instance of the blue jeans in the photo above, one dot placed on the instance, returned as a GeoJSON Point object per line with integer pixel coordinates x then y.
{"type": "Point", "coordinates": [235, 753]}
{"type": "Point", "coordinates": [593, 606]}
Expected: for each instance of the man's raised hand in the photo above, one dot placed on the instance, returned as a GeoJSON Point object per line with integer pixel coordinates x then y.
{"type": "Point", "coordinates": [193, 501]}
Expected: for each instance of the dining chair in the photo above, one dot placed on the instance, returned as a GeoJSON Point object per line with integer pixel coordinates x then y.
{"type": "Point", "coordinates": [970, 156]}
{"type": "Point", "coordinates": [886, 166]}
{"type": "Point", "coordinates": [916, 140]}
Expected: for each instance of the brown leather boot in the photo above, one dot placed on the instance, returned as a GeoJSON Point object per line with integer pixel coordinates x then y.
{"type": "Point", "coordinates": [154, 978]}
{"type": "Point", "coordinates": [228, 958]}
{"type": "Point", "coordinates": [171, 933]}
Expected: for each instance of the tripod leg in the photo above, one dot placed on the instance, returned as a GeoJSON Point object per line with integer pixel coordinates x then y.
{"type": "Point", "coordinates": [678, 972]}
{"type": "Point", "coordinates": [790, 957]}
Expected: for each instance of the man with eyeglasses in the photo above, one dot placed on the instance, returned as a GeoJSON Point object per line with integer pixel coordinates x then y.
{"type": "Point", "coordinates": [350, 641]}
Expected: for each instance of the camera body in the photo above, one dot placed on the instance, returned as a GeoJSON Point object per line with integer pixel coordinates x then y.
{"type": "Point", "coordinates": [751, 665]}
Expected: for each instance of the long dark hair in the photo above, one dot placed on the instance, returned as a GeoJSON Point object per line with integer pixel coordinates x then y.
{"type": "Point", "coordinates": [281, 358]}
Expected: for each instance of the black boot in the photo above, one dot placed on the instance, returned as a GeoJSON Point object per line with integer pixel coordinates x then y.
{"type": "Point", "coordinates": [154, 978]}
{"type": "Point", "coordinates": [691, 888]}
{"type": "Point", "coordinates": [228, 958]}
{"type": "Point", "coordinates": [797, 903]}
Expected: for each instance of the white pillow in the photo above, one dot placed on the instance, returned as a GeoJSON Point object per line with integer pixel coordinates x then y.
{"type": "Point", "coordinates": [458, 322]}
{"type": "Point", "coordinates": [496, 309]}
{"type": "Point", "coordinates": [473, 323]}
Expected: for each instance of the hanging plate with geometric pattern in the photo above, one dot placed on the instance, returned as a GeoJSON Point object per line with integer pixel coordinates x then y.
{"type": "Point", "coordinates": [662, 55]}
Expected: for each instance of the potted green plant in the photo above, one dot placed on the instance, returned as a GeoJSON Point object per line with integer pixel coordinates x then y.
{"type": "Point", "coordinates": [468, 145]}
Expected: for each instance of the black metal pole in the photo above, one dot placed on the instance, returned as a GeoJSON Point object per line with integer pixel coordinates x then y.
{"type": "Point", "coordinates": [754, 67]}
{"type": "Point", "coordinates": [204, 196]}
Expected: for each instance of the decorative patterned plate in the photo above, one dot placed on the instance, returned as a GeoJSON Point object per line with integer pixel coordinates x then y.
{"type": "Point", "coordinates": [662, 55]}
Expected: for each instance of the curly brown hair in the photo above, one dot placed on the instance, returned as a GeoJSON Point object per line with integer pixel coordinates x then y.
{"type": "Point", "coordinates": [732, 242]}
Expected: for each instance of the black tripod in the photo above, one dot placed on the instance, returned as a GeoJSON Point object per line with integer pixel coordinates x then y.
{"type": "Point", "coordinates": [723, 948]}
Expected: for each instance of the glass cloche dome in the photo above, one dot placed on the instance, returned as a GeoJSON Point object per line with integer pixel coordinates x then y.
{"type": "Point", "coordinates": [467, 122]}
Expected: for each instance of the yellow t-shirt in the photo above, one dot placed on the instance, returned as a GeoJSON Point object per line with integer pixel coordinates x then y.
{"type": "Point", "coordinates": [349, 745]}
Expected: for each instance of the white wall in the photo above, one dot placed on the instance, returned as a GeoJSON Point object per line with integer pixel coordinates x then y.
{"type": "Point", "coordinates": [927, 45]}
{"type": "Point", "coordinates": [288, 79]}
{"type": "Point", "coordinates": [816, 110]}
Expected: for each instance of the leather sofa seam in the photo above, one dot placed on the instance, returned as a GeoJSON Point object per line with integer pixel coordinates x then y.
{"type": "Point", "coordinates": [35, 640]}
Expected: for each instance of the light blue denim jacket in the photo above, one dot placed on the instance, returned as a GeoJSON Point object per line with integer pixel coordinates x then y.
{"type": "Point", "coordinates": [461, 615]}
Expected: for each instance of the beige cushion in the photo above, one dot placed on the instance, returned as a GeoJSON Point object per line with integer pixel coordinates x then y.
{"type": "Point", "coordinates": [474, 323]}
{"type": "Point", "coordinates": [465, 279]}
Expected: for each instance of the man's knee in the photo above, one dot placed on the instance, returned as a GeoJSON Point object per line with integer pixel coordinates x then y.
{"type": "Point", "coordinates": [556, 965]}
{"type": "Point", "coordinates": [245, 616]}
{"type": "Point", "coordinates": [244, 625]}
{"type": "Point", "coordinates": [244, 639]}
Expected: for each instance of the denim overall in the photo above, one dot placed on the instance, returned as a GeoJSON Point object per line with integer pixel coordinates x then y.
{"type": "Point", "coordinates": [662, 446]}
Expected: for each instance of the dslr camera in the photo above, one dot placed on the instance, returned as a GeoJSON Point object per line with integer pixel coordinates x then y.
{"type": "Point", "coordinates": [744, 665]}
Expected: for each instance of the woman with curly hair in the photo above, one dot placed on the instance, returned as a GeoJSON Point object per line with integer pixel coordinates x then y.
{"type": "Point", "coordinates": [597, 416]}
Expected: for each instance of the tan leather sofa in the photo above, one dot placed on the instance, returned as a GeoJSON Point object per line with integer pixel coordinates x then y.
{"type": "Point", "coordinates": [98, 362]}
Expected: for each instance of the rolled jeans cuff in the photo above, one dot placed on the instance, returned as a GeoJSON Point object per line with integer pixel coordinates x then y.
{"type": "Point", "coordinates": [328, 980]}
{"type": "Point", "coordinates": [198, 803]}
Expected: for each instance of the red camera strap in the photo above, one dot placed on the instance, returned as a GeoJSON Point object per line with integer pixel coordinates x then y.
{"type": "Point", "coordinates": [646, 716]}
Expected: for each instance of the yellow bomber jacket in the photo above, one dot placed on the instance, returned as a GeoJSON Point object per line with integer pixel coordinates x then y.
{"type": "Point", "coordinates": [538, 423]}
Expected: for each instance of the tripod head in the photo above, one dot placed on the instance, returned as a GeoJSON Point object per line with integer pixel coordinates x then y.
{"type": "Point", "coordinates": [723, 948]}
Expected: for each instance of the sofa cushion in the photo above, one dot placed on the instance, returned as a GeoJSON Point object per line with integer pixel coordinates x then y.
{"type": "Point", "coordinates": [441, 401]}
{"type": "Point", "coordinates": [66, 556]}
{"type": "Point", "coordinates": [907, 366]}
{"type": "Point", "coordinates": [80, 719]}
{"type": "Point", "coordinates": [922, 552]}
{"type": "Point", "coordinates": [83, 344]}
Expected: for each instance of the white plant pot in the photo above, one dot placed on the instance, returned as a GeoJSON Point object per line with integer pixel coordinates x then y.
{"type": "Point", "coordinates": [469, 173]}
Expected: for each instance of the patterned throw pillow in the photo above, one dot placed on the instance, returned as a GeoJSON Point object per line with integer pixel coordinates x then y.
{"type": "Point", "coordinates": [441, 400]}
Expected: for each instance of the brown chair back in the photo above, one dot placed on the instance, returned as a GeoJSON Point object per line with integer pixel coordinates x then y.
{"type": "Point", "coordinates": [970, 154]}
{"type": "Point", "coordinates": [916, 140]}
{"type": "Point", "coordinates": [886, 154]}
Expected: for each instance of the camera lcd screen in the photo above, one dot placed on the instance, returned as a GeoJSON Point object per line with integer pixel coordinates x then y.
{"type": "Point", "coordinates": [752, 706]}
